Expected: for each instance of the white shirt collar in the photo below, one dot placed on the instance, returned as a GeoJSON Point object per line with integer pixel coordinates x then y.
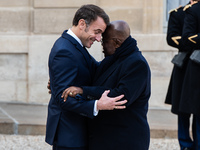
{"type": "Point", "coordinates": [74, 36]}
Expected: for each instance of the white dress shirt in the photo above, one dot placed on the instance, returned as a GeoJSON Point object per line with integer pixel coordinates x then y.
{"type": "Point", "coordinates": [95, 112]}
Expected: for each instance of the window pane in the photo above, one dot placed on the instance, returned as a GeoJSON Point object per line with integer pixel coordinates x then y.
{"type": "Point", "coordinates": [183, 2]}
{"type": "Point", "coordinates": [169, 5]}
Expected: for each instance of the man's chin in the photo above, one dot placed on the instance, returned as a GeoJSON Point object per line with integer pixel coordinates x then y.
{"type": "Point", "coordinates": [88, 46]}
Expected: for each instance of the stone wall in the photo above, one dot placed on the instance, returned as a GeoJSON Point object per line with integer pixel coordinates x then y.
{"type": "Point", "coordinates": [30, 27]}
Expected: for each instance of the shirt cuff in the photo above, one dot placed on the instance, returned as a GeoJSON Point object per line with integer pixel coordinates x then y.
{"type": "Point", "coordinates": [95, 113]}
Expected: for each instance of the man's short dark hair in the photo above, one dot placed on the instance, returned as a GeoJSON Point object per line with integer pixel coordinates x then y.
{"type": "Point", "coordinates": [90, 13]}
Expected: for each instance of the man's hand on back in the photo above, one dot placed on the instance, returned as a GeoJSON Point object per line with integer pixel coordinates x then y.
{"type": "Point", "coordinates": [108, 103]}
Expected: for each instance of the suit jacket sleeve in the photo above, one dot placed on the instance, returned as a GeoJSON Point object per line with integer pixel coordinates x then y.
{"type": "Point", "coordinates": [64, 72]}
{"type": "Point", "coordinates": [191, 37]}
{"type": "Point", "coordinates": [174, 30]}
{"type": "Point", "coordinates": [133, 83]}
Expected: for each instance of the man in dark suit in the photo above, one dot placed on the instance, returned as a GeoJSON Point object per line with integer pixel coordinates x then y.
{"type": "Point", "coordinates": [123, 71]}
{"type": "Point", "coordinates": [174, 39]}
{"type": "Point", "coordinates": [71, 64]}
{"type": "Point", "coordinates": [191, 85]}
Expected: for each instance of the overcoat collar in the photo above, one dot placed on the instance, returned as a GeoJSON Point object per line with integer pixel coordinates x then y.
{"type": "Point", "coordinates": [110, 63]}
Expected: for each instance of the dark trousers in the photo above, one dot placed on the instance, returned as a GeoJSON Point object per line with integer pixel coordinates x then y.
{"type": "Point", "coordinates": [185, 141]}
{"type": "Point", "coordinates": [184, 138]}
{"type": "Point", "coordinates": [196, 133]}
{"type": "Point", "coordinates": [55, 147]}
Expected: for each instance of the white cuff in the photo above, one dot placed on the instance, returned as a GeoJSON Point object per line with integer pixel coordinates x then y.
{"type": "Point", "coordinates": [95, 113]}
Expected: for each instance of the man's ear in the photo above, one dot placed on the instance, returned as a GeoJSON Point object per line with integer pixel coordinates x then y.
{"type": "Point", "coordinates": [118, 43]}
{"type": "Point", "coordinates": [82, 24]}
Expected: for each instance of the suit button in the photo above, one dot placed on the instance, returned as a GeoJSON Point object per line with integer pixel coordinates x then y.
{"type": "Point", "coordinates": [83, 114]}
{"type": "Point", "coordinates": [88, 97]}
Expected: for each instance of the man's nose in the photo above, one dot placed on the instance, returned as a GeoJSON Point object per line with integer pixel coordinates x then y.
{"type": "Point", "coordinates": [98, 37]}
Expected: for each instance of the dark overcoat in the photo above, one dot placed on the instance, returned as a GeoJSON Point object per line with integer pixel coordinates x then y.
{"type": "Point", "coordinates": [69, 64]}
{"type": "Point", "coordinates": [127, 129]}
{"type": "Point", "coordinates": [174, 39]}
{"type": "Point", "coordinates": [191, 86]}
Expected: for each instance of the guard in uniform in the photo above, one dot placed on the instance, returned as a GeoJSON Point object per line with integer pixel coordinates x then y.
{"type": "Point", "coordinates": [174, 39]}
{"type": "Point", "coordinates": [190, 99]}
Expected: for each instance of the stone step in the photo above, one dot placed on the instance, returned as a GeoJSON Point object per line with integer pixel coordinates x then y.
{"type": "Point", "coordinates": [30, 119]}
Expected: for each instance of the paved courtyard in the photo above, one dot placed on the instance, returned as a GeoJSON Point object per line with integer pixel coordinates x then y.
{"type": "Point", "coordinates": [28, 142]}
{"type": "Point", "coordinates": [22, 127]}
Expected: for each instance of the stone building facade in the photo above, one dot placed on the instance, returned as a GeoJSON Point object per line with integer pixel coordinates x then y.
{"type": "Point", "coordinates": [28, 29]}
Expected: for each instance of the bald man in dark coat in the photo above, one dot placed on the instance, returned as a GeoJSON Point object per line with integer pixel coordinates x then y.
{"type": "Point", "coordinates": [123, 71]}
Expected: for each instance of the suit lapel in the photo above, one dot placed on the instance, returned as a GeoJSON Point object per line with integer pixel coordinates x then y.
{"type": "Point", "coordinates": [86, 55]}
{"type": "Point", "coordinates": [84, 52]}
